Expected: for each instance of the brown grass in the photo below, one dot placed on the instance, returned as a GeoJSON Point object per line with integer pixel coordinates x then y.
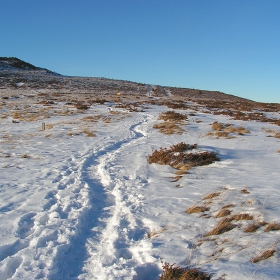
{"type": "Point", "coordinates": [272, 226]}
{"type": "Point", "coordinates": [223, 213]}
{"type": "Point", "coordinates": [263, 256]}
{"type": "Point", "coordinates": [245, 191]}
{"type": "Point", "coordinates": [172, 116]}
{"type": "Point", "coordinates": [169, 128]}
{"type": "Point", "coordinates": [223, 226]}
{"type": "Point", "coordinates": [172, 272]}
{"type": "Point", "coordinates": [239, 130]}
{"type": "Point", "coordinates": [211, 195]}
{"type": "Point", "coordinates": [221, 134]}
{"type": "Point", "coordinates": [155, 232]}
{"type": "Point", "coordinates": [176, 179]}
{"type": "Point", "coordinates": [277, 135]}
{"type": "Point", "coordinates": [88, 133]}
{"type": "Point", "coordinates": [81, 106]}
{"type": "Point", "coordinates": [197, 209]}
{"type": "Point", "coordinates": [240, 217]}
{"type": "Point", "coordinates": [223, 130]}
{"type": "Point", "coordinates": [25, 156]}
{"type": "Point", "coordinates": [92, 118]}
{"type": "Point", "coordinates": [228, 206]}
{"type": "Point", "coordinates": [252, 227]}
{"type": "Point", "coordinates": [217, 126]}
{"type": "Point", "coordinates": [49, 126]}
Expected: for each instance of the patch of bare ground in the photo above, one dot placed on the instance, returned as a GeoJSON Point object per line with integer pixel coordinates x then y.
{"type": "Point", "coordinates": [173, 272]}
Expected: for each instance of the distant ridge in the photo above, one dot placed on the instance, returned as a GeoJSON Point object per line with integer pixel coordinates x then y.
{"type": "Point", "coordinates": [14, 71]}
{"type": "Point", "coordinates": [16, 63]}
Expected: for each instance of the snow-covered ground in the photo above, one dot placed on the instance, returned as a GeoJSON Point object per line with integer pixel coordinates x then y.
{"type": "Point", "coordinates": [79, 207]}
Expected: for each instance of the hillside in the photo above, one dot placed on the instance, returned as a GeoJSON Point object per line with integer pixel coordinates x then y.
{"type": "Point", "coordinates": [101, 185]}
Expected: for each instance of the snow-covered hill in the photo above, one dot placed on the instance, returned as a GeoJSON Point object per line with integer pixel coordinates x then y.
{"type": "Point", "coordinates": [79, 200]}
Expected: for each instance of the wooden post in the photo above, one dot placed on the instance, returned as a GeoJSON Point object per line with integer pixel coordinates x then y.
{"type": "Point", "coordinates": [43, 126]}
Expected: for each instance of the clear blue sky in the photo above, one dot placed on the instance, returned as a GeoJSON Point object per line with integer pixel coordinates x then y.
{"type": "Point", "coordinates": [231, 46]}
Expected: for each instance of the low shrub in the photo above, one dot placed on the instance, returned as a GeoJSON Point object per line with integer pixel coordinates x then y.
{"type": "Point", "coordinates": [172, 116]}
{"type": "Point", "coordinates": [172, 272]}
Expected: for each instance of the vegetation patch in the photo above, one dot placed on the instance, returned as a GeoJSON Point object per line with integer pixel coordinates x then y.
{"type": "Point", "coordinates": [252, 227]}
{"type": "Point", "coordinates": [168, 128]}
{"type": "Point", "coordinates": [172, 116]}
{"type": "Point", "coordinates": [223, 213]}
{"type": "Point", "coordinates": [263, 256]}
{"type": "Point", "coordinates": [272, 226]}
{"type": "Point", "coordinates": [226, 130]}
{"type": "Point", "coordinates": [197, 209]}
{"type": "Point", "coordinates": [211, 195]}
{"type": "Point", "coordinates": [178, 157]}
{"type": "Point", "coordinates": [223, 226]}
{"type": "Point", "coordinates": [173, 272]}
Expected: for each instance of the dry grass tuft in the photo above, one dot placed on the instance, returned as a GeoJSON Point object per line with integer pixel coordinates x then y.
{"type": "Point", "coordinates": [228, 206]}
{"type": "Point", "coordinates": [223, 130]}
{"type": "Point", "coordinates": [49, 126]}
{"type": "Point", "coordinates": [239, 130]}
{"type": "Point", "coordinates": [176, 178]}
{"type": "Point", "coordinates": [197, 209]}
{"type": "Point", "coordinates": [81, 106]}
{"type": "Point", "coordinates": [217, 126]}
{"type": "Point", "coordinates": [168, 128]}
{"type": "Point", "coordinates": [263, 256]}
{"type": "Point", "coordinates": [211, 195]}
{"type": "Point", "coordinates": [277, 135]}
{"type": "Point", "coordinates": [223, 226]}
{"type": "Point", "coordinates": [92, 118]}
{"type": "Point", "coordinates": [272, 226]}
{"type": "Point", "coordinates": [240, 217]}
{"type": "Point", "coordinates": [245, 191]}
{"type": "Point", "coordinates": [88, 133]}
{"type": "Point", "coordinates": [221, 134]}
{"type": "Point", "coordinates": [171, 121]}
{"type": "Point", "coordinates": [25, 156]}
{"type": "Point", "coordinates": [223, 213]}
{"type": "Point", "coordinates": [172, 116]}
{"type": "Point", "coordinates": [170, 156]}
{"type": "Point", "coordinates": [155, 232]}
{"type": "Point", "coordinates": [252, 227]}
{"type": "Point", "coordinates": [172, 272]}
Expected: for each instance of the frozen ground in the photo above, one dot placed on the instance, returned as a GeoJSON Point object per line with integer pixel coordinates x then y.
{"type": "Point", "coordinates": [74, 206]}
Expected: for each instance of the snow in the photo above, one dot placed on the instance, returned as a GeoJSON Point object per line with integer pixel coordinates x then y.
{"type": "Point", "coordinates": [78, 207]}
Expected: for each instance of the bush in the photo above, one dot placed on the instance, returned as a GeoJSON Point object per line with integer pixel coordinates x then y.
{"type": "Point", "coordinates": [172, 272]}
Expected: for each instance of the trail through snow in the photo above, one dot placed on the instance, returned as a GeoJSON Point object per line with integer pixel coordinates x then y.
{"type": "Point", "coordinates": [77, 207]}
